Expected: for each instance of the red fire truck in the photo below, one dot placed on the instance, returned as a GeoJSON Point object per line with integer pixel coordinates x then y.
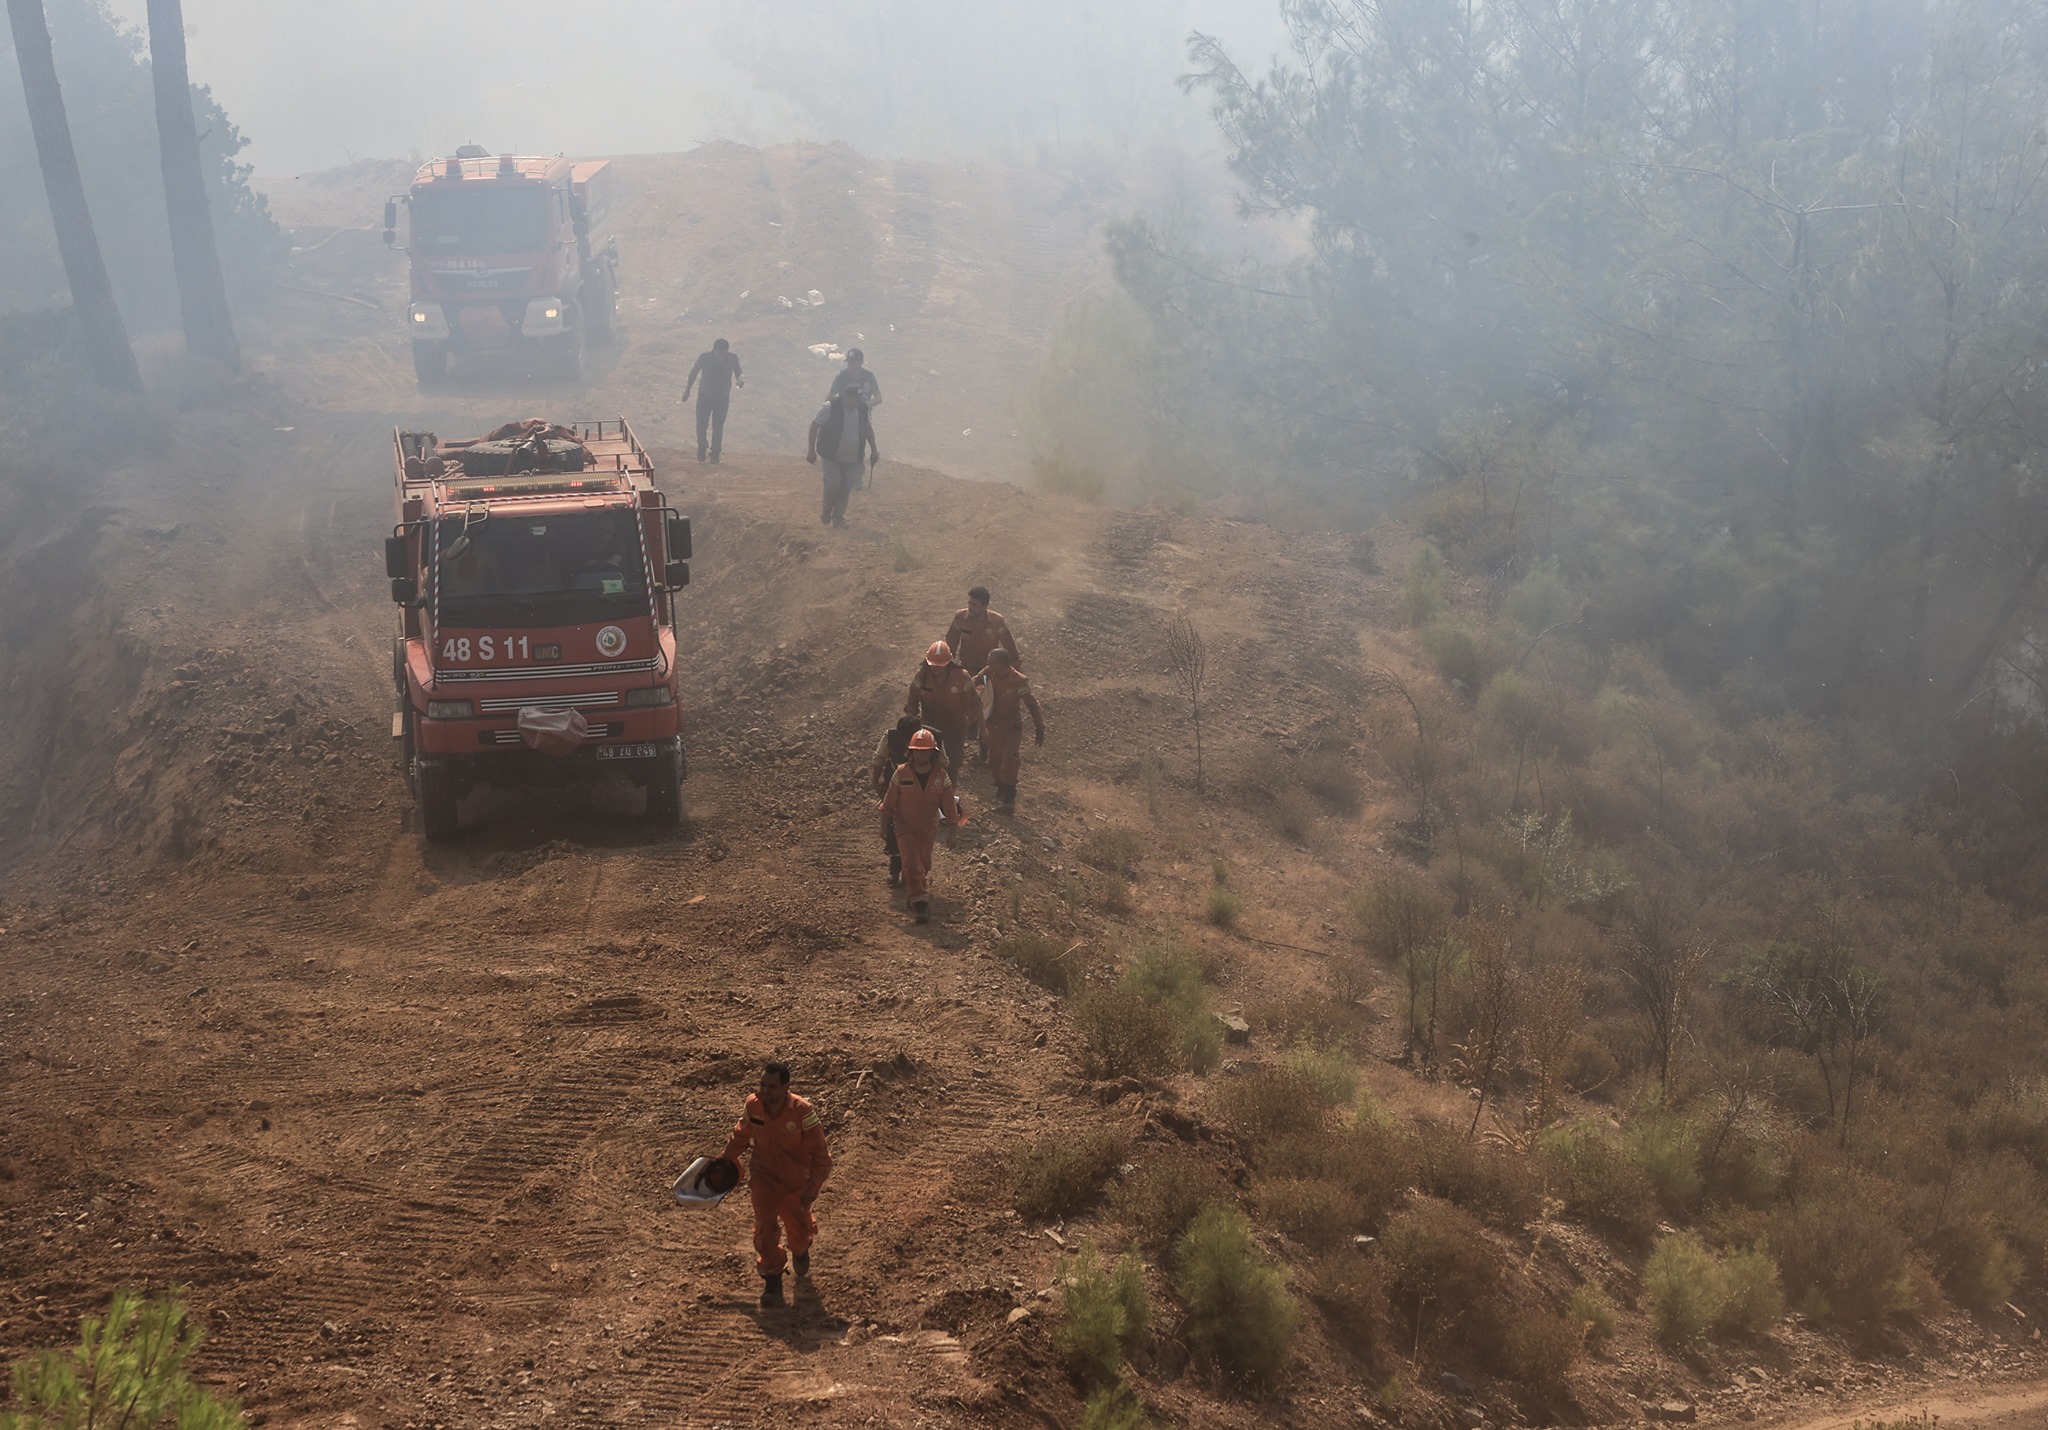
{"type": "Point", "coordinates": [535, 572]}
{"type": "Point", "coordinates": [508, 253]}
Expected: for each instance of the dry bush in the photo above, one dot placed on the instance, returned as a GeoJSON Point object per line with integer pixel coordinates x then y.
{"type": "Point", "coordinates": [1539, 1351]}
{"type": "Point", "coordinates": [1840, 1248]}
{"type": "Point", "coordinates": [1372, 1160]}
{"type": "Point", "coordinates": [1128, 1034]}
{"type": "Point", "coordinates": [1321, 1215]}
{"type": "Point", "coordinates": [1056, 1175]}
{"type": "Point", "coordinates": [1333, 781]}
{"type": "Point", "coordinates": [1161, 1200]}
{"type": "Point", "coordinates": [1591, 1311]}
{"type": "Point", "coordinates": [1351, 1293]}
{"type": "Point", "coordinates": [1268, 1103]}
{"type": "Point", "coordinates": [1494, 1185]}
{"type": "Point", "coordinates": [1588, 1168]}
{"type": "Point", "coordinates": [1444, 1276]}
{"type": "Point", "coordinates": [1049, 962]}
{"type": "Point", "coordinates": [1114, 851]}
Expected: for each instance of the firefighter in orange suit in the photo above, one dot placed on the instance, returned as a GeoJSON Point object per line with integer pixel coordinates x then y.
{"type": "Point", "coordinates": [943, 696]}
{"type": "Point", "coordinates": [920, 794]}
{"type": "Point", "coordinates": [789, 1167]}
{"type": "Point", "coordinates": [1009, 698]}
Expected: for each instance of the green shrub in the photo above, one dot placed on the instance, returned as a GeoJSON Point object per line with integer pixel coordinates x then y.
{"type": "Point", "coordinates": [1683, 1282]}
{"type": "Point", "coordinates": [1327, 1073]}
{"type": "Point", "coordinates": [1591, 1311]}
{"type": "Point", "coordinates": [1978, 1267]}
{"type": "Point", "coordinates": [1114, 1407]}
{"type": "Point", "coordinates": [1114, 851]}
{"type": "Point", "coordinates": [1667, 1149]}
{"type": "Point", "coordinates": [1751, 1300]}
{"type": "Point", "coordinates": [1456, 653]}
{"type": "Point", "coordinates": [1291, 809]}
{"type": "Point", "coordinates": [1048, 962]}
{"type": "Point", "coordinates": [1693, 1291]}
{"type": "Point", "coordinates": [1058, 1174]}
{"type": "Point", "coordinates": [1103, 1312]}
{"type": "Point", "coordinates": [129, 1369]}
{"type": "Point", "coordinates": [1222, 908]}
{"type": "Point", "coordinates": [1162, 1200]}
{"type": "Point", "coordinates": [1239, 1314]}
{"type": "Point", "coordinates": [1424, 586]}
{"type": "Point", "coordinates": [1587, 1166]}
{"type": "Point", "coordinates": [1170, 977]}
{"type": "Point", "coordinates": [1319, 1214]}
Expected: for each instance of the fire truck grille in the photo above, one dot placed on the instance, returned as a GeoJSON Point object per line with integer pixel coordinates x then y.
{"type": "Point", "coordinates": [507, 704]}
{"type": "Point", "coordinates": [610, 731]}
{"type": "Point", "coordinates": [547, 672]}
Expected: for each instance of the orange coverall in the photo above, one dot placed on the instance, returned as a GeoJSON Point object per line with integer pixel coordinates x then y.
{"type": "Point", "coordinates": [972, 640]}
{"type": "Point", "coordinates": [1004, 728]}
{"type": "Point", "coordinates": [790, 1164]}
{"type": "Point", "coordinates": [916, 805]}
{"type": "Point", "coordinates": [945, 699]}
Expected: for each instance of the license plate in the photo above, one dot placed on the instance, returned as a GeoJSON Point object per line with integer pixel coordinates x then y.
{"type": "Point", "coordinates": [626, 752]}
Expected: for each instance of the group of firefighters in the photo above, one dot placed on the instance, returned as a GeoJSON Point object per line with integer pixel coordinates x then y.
{"type": "Point", "coordinates": [970, 686]}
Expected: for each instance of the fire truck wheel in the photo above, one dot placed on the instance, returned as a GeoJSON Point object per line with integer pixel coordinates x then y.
{"type": "Point", "coordinates": [438, 816]}
{"type": "Point", "coordinates": [429, 362]}
{"type": "Point", "coordinates": [601, 302]}
{"type": "Point", "coordinates": [569, 355]}
{"type": "Point", "coordinates": [665, 791]}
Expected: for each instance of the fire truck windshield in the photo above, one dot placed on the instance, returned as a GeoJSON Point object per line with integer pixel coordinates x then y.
{"type": "Point", "coordinates": [479, 218]}
{"type": "Point", "coordinates": [528, 570]}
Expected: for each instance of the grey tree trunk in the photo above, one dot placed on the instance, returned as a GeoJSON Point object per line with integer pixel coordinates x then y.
{"type": "Point", "coordinates": [92, 296]}
{"type": "Point", "coordinates": [202, 296]}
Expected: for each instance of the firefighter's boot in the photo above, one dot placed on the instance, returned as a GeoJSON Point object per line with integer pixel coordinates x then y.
{"type": "Point", "coordinates": [771, 1290]}
{"type": "Point", "coordinates": [1006, 799]}
{"type": "Point", "coordinates": [801, 1261]}
{"type": "Point", "coordinates": [895, 871]}
{"type": "Point", "coordinates": [921, 908]}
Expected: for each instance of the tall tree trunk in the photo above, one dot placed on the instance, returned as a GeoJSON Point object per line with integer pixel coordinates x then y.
{"type": "Point", "coordinates": [202, 296]}
{"type": "Point", "coordinates": [92, 296]}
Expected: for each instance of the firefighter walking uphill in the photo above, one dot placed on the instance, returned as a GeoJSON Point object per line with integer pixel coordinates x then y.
{"type": "Point", "coordinates": [921, 797]}
{"type": "Point", "coordinates": [788, 1168]}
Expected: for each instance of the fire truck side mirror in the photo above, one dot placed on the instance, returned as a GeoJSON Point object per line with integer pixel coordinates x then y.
{"type": "Point", "coordinates": [395, 563]}
{"type": "Point", "coordinates": [679, 539]}
{"type": "Point", "coordinates": [405, 590]}
{"type": "Point", "coordinates": [678, 575]}
{"type": "Point", "coordinates": [390, 222]}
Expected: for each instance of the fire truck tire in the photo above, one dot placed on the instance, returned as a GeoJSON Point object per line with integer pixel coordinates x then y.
{"type": "Point", "coordinates": [429, 363]}
{"type": "Point", "coordinates": [438, 814]}
{"type": "Point", "coordinates": [569, 353]}
{"type": "Point", "coordinates": [665, 790]}
{"type": "Point", "coordinates": [601, 302]}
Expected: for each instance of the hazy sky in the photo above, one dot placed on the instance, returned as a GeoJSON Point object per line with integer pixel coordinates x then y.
{"type": "Point", "coordinates": [314, 86]}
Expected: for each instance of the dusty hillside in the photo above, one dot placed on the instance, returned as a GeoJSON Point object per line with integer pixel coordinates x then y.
{"type": "Point", "coordinates": [949, 279]}
{"type": "Point", "coordinates": [402, 1118]}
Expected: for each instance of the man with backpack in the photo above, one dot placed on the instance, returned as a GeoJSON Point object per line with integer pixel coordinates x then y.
{"type": "Point", "coordinates": [943, 696]}
{"type": "Point", "coordinates": [841, 435]}
{"type": "Point", "coordinates": [890, 754]}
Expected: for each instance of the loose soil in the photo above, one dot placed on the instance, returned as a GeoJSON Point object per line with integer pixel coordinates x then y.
{"type": "Point", "coordinates": [402, 1117]}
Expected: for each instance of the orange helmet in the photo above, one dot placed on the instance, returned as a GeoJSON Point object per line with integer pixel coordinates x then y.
{"type": "Point", "coordinates": [939, 654]}
{"type": "Point", "coordinates": [924, 740]}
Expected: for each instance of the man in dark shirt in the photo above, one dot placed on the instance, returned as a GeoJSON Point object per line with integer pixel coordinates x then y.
{"type": "Point", "coordinates": [855, 375]}
{"type": "Point", "coordinates": [720, 369]}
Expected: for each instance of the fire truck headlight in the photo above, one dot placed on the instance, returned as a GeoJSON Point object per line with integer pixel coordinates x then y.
{"type": "Point", "coordinates": [650, 695]}
{"type": "Point", "coordinates": [418, 316]}
{"type": "Point", "coordinates": [450, 709]}
{"type": "Point", "coordinates": [553, 310]}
